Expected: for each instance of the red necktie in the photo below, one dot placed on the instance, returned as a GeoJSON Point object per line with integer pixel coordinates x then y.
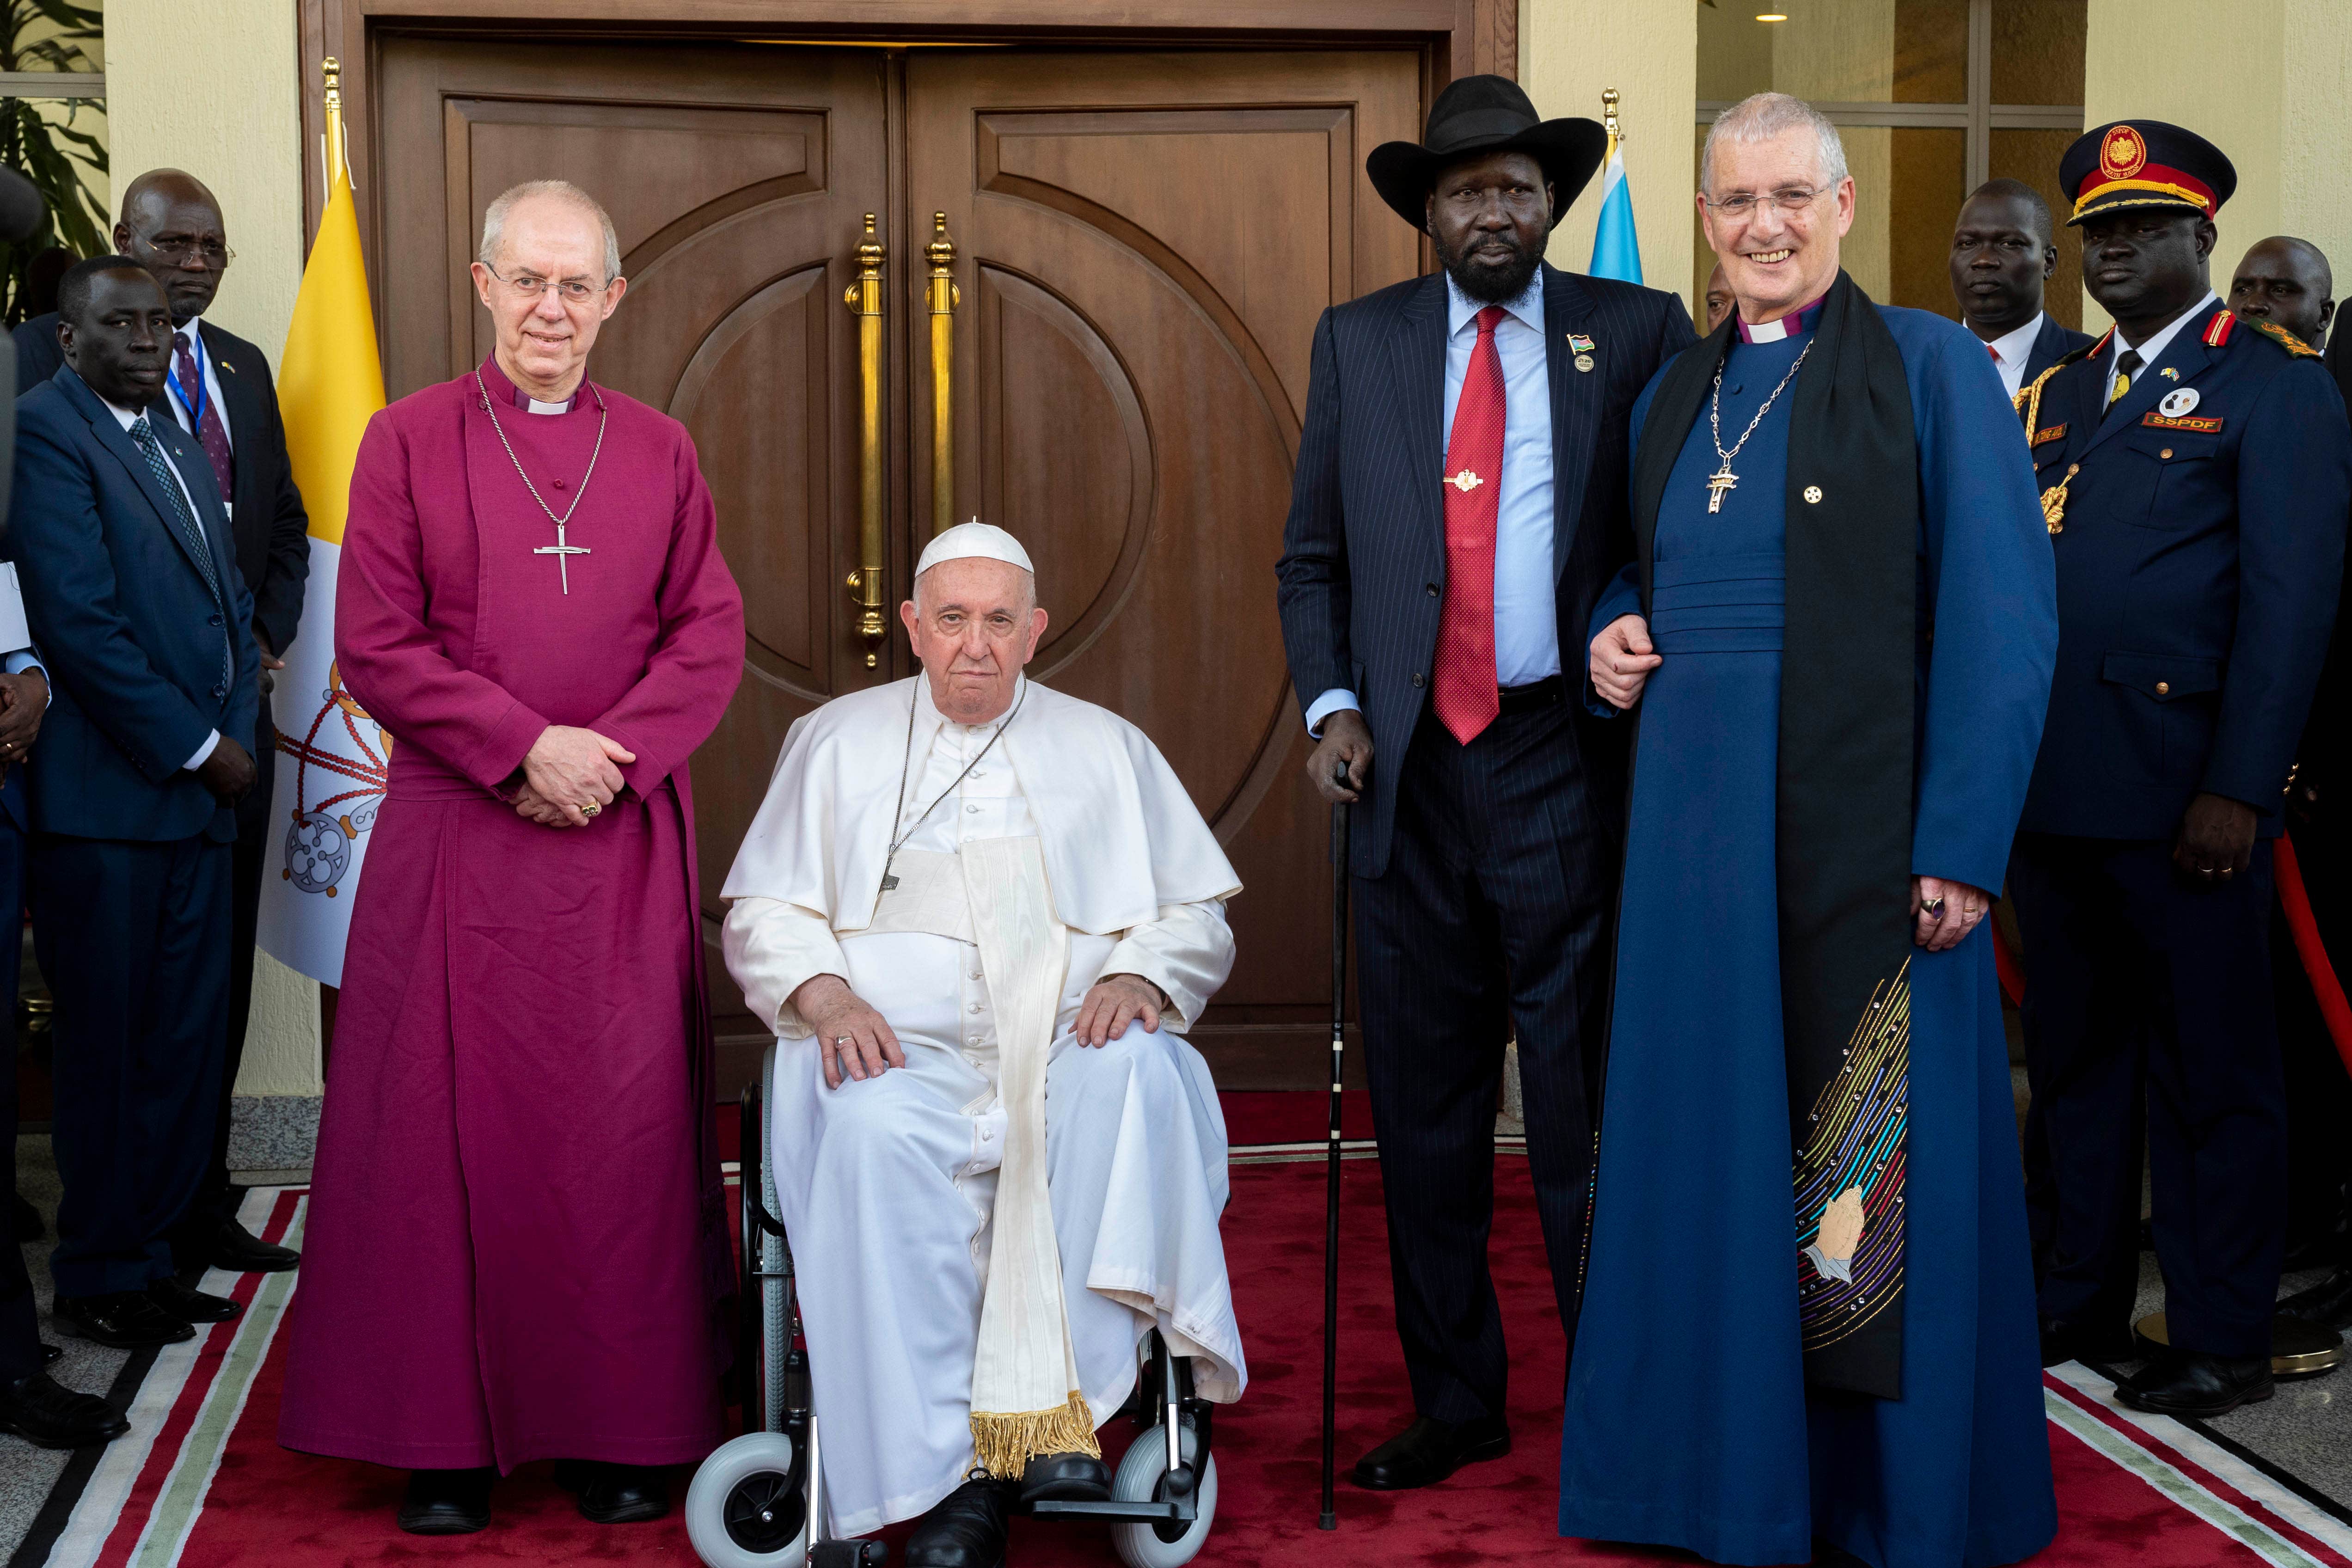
{"type": "Point", "coordinates": [1465, 699]}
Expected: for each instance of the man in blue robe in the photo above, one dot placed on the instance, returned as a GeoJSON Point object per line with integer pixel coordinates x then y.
{"type": "Point", "coordinates": [1809, 1314]}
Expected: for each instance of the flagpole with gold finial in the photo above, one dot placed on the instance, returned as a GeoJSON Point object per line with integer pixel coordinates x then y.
{"type": "Point", "coordinates": [1616, 248]}
{"type": "Point", "coordinates": [334, 147]}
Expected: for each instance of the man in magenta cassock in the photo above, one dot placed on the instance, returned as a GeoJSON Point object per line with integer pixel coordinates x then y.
{"type": "Point", "coordinates": [515, 1239]}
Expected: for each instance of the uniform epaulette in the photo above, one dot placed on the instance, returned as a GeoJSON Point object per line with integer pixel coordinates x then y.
{"type": "Point", "coordinates": [2028, 400]}
{"type": "Point", "coordinates": [2218, 330]}
{"type": "Point", "coordinates": [2283, 338]}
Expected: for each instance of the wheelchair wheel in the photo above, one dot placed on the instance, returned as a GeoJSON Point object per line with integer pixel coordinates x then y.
{"type": "Point", "coordinates": [1139, 1480]}
{"type": "Point", "coordinates": [747, 1507]}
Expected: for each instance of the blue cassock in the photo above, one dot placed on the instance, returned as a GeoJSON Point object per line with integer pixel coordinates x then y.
{"type": "Point", "coordinates": [1689, 1422]}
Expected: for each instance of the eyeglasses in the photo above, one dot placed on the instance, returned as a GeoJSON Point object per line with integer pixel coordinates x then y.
{"type": "Point", "coordinates": [1791, 202]}
{"type": "Point", "coordinates": [525, 286]}
{"type": "Point", "coordinates": [185, 251]}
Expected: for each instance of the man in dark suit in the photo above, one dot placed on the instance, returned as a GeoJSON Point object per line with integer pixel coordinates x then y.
{"type": "Point", "coordinates": [144, 622]}
{"type": "Point", "coordinates": [2003, 254]}
{"type": "Point", "coordinates": [32, 1404]}
{"type": "Point", "coordinates": [2196, 470]}
{"type": "Point", "coordinates": [2287, 282]}
{"type": "Point", "coordinates": [219, 391]}
{"type": "Point", "coordinates": [1459, 503]}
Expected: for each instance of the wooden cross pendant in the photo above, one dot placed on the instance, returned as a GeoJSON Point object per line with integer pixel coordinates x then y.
{"type": "Point", "coordinates": [1722, 483]}
{"type": "Point", "coordinates": [564, 554]}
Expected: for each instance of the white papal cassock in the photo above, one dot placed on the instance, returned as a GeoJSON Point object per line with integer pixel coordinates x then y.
{"type": "Point", "coordinates": [887, 1186]}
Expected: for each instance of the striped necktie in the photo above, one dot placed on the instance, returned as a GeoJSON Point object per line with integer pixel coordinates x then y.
{"type": "Point", "coordinates": [142, 435]}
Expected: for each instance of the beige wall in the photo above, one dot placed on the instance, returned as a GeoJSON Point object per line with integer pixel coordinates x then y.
{"type": "Point", "coordinates": [2267, 89]}
{"type": "Point", "coordinates": [1648, 50]}
{"type": "Point", "coordinates": [1842, 51]}
{"type": "Point", "coordinates": [246, 143]}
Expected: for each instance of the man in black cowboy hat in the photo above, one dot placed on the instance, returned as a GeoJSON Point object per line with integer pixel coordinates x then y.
{"type": "Point", "coordinates": [2195, 468]}
{"type": "Point", "coordinates": [1459, 502]}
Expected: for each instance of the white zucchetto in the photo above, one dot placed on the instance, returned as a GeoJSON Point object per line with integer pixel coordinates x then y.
{"type": "Point", "coordinates": [966, 541]}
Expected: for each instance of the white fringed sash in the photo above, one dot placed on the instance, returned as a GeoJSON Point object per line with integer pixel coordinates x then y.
{"type": "Point", "coordinates": [1025, 1398]}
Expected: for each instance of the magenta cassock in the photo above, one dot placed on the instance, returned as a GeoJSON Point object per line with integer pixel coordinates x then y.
{"type": "Point", "coordinates": [516, 1241]}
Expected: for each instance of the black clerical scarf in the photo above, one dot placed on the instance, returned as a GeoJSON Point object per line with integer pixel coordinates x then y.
{"type": "Point", "coordinates": [1847, 745]}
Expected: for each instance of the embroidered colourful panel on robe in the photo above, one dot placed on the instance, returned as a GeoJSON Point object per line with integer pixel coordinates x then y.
{"type": "Point", "coordinates": [1849, 1177]}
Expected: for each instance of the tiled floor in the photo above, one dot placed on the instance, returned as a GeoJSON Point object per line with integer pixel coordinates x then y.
{"type": "Point", "coordinates": [28, 1473]}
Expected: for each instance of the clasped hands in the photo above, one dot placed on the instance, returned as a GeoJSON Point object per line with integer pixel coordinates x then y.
{"type": "Point", "coordinates": [568, 772]}
{"type": "Point", "coordinates": [24, 701]}
{"type": "Point", "coordinates": [854, 1040]}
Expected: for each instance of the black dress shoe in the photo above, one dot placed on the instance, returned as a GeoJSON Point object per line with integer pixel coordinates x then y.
{"type": "Point", "coordinates": [192, 1305]}
{"type": "Point", "coordinates": [26, 1220]}
{"type": "Point", "coordinates": [614, 1494]}
{"type": "Point", "coordinates": [2193, 1383]}
{"type": "Point", "coordinates": [2329, 1301]}
{"type": "Point", "coordinates": [2064, 1340]}
{"type": "Point", "coordinates": [239, 1251]}
{"type": "Point", "coordinates": [128, 1321]}
{"type": "Point", "coordinates": [447, 1502]}
{"type": "Point", "coordinates": [968, 1529]}
{"type": "Point", "coordinates": [51, 1354]}
{"type": "Point", "coordinates": [1064, 1477]}
{"type": "Point", "coordinates": [1429, 1450]}
{"type": "Point", "coordinates": [48, 1416]}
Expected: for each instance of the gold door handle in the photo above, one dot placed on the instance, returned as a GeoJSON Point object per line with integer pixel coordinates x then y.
{"type": "Point", "coordinates": [943, 297]}
{"type": "Point", "coordinates": [865, 299]}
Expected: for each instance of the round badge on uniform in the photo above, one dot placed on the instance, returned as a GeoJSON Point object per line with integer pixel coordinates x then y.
{"type": "Point", "coordinates": [2178, 402]}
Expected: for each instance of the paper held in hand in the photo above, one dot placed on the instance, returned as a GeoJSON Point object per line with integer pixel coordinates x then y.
{"type": "Point", "coordinates": [13, 633]}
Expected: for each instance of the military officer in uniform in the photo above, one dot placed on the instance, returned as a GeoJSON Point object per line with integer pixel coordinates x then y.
{"type": "Point", "coordinates": [2195, 470]}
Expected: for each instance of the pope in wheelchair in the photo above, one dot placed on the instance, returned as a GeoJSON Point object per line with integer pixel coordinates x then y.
{"type": "Point", "coordinates": [979, 916]}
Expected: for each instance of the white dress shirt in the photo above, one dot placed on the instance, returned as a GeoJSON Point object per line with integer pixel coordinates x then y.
{"type": "Point", "coordinates": [127, 417]}
{"type": "Point", "coordinates": [1527, 623]}
{"type": "Point", "coordinates": [2152, 350]}
{"type": "Point", "coordinates": [2010, 351]}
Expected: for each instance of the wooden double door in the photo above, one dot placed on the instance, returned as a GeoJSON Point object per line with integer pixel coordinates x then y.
{"type": "Point", "coordinates": [1143, 242]}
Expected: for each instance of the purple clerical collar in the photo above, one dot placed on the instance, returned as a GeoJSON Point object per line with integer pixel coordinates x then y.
{"type": "Point", "coordinates": [500, 388]}
{"type": "Point", "coordinates": [1795, 324]}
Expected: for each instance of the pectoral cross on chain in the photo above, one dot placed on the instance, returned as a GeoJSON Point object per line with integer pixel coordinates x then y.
{"type": "Point", "coordinates": [562, 554]}
{"type": "Point", "coordinates": [1720, 485]}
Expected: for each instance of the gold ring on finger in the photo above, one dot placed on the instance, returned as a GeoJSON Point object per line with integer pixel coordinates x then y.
{"type": "Point", "coordinates": [590, 809]}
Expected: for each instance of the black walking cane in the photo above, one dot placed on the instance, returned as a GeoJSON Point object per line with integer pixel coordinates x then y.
{"type": "Point", "coordinates": [1330, 1520]}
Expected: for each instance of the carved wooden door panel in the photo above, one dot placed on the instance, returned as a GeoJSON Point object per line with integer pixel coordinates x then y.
{"type": "Point", "coordinates": [1145, 242]}
{"type": "Point", "coordinates": [1145, 239]}
{"type": "Point", "coordinates": [738, 180]}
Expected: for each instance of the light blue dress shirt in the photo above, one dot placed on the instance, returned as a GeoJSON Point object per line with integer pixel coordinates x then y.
{"type": "Point", "coordinates": [1527, 623]}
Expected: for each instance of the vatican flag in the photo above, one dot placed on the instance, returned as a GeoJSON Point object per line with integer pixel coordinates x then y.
{"type": "Point", "coordinates": [332, 757]}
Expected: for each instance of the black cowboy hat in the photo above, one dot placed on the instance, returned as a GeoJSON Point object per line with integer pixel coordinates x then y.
{"type": "Point", "coordinates": [1477, 115]}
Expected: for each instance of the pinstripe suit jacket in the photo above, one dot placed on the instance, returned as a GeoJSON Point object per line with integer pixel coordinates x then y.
{"type": "Point", "coordinates": [1362, 572]}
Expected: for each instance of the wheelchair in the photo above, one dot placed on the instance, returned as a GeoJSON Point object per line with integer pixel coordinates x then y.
{"type": "Point", "coordinates": [759, 1500]}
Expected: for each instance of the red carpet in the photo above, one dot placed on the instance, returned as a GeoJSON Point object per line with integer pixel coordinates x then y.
{"type": "Point", "coordinates": [2159, 1496]}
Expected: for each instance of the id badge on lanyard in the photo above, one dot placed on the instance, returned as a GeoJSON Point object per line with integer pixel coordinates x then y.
{"type": "Point", "coordinates": [172, 379]}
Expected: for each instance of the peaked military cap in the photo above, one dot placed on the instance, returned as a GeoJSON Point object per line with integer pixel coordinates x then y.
{"type": "Point", "coordinates": [2144, 164]}
{"type": "Point", "coordinates": [1477, 115]}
